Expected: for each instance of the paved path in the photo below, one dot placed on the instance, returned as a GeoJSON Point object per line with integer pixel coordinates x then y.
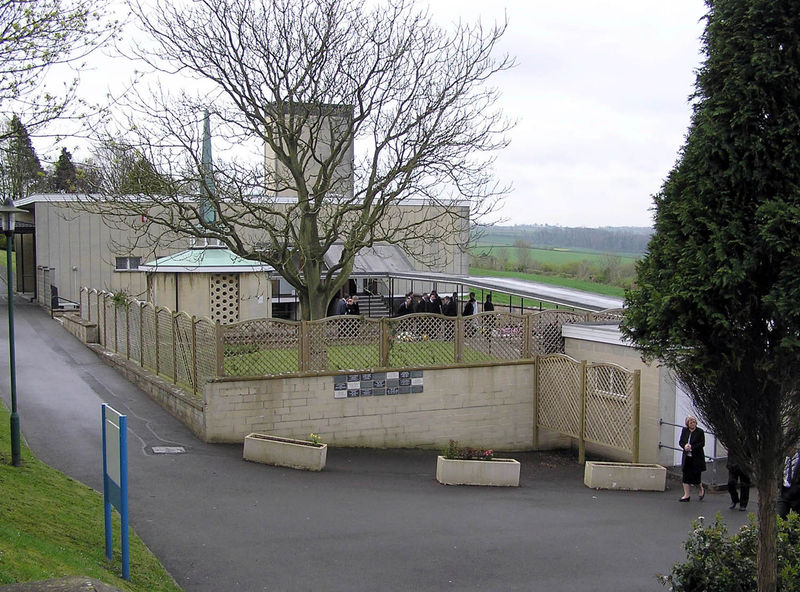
{"type": "Point", "coordinates": [373, 520]}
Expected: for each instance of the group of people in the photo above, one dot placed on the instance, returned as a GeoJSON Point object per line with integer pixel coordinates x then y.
{"type": "Point", "coordinates": [693, 463]}
{"type": "Point", "coordinates": [447, 306]}
{"type": "Point", "coordinates": [347, 306]}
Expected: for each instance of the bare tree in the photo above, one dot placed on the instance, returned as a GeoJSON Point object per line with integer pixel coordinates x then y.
{"type": "Point", "coordinates": [35, 36]}
{"type": "Point", "coordinates": [343, 122]}
{"type": "Point", "coordinates": [523, 251]}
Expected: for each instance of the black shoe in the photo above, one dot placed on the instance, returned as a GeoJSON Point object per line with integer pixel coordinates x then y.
{"type": "Point", "coordinates": [733, 506]}
{"type": "Point", "coordinates": [684, 499]}
{"type": "Point", "coordinates": [702, 495]}
{"type": "Point", "coordinates": [743, 509]}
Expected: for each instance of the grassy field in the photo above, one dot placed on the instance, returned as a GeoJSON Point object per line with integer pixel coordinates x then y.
{"type": "Point", "coordinates": [553, 256]}
{"type": "Point", "coordinates": [51, 526]}
{"type": "Point", "coordinates": [552, 280]}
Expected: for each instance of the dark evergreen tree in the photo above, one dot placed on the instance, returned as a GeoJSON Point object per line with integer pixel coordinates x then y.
{"type": "Point", "coordinates": [142, 178]}
{"type": "Point", "coordinates": [22, 169]}
{"type": "Point", "coordinates": [719, 289]}
{"type": "Point", "coordinates": [65, 175]}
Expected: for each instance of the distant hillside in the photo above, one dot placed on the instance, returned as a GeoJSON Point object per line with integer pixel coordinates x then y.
{"type": "Point", "coordinates": [627, 240]}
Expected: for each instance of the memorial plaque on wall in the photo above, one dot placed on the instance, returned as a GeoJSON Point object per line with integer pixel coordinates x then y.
{"type": "Point", "coordinates": [377, 384]}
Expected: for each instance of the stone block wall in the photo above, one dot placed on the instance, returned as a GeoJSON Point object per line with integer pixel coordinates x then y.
{"type": "Point", "coordinates": [486, 406]}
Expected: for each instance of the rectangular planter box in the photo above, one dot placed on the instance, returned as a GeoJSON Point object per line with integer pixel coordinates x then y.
{"type": "Point", "coordinates": [285, 452]}
{"type": "Point", "coordinates": [628, 476]}
{"type": "Point", "coordinates": [502, 472]}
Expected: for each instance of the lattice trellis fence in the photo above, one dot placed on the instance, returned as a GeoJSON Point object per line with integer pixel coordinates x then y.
{"type": "Point", "coordinates": [422, 340]}
{"type": "Point", "coordinates": [341, 343]}
{"type": "Point", "coordinates": [545, 330]}
{"type": "Point", "coordinates": [558, 394]}
{"type": "Point", "coordinates": [149, 353]}
{"type": "Point", "coordinates": [612, 406]}
{"type": "Point", "coordinates": [260, 346]}
{"type": "Point", "coordinates": [183, 326]}
{"type": "Point", "coordinates": [596, 403]}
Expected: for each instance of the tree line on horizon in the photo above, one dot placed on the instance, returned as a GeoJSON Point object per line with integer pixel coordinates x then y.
{"type": "Point", "coordinates": [622, 240]}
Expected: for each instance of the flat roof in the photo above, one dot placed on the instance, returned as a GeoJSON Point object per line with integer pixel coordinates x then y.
{"type": "Point", "coordinates": [205, 260]}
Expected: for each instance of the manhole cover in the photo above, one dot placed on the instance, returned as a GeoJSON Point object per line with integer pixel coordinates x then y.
{"type": "Point", "coordinates": [168, 450]}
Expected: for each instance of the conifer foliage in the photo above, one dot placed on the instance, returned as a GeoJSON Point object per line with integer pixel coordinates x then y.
{"type": "Point", "coordinates": [21, 169]}
{"type": "Point", "coordinates": [718, 293]}
{"type": "Point", "coordinates": [65, 175]}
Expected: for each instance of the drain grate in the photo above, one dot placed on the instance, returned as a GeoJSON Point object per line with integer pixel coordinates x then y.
{"type": "Point", "coordinates": [168, 450]}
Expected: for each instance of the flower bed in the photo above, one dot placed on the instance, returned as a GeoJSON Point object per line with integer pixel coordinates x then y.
{"type": "Point", "coordinates": [464, 465]}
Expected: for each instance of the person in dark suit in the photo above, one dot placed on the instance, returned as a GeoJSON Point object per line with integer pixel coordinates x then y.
{"type": "Point", "coordinates": [789, 498]}
{"type": "Point", "coordinates": [488, 306]}
{"type": "Point", "coordinates": [407, 307]}
{"type": "Point", "coordinates": [736, 473]}
{"type": "Point", "coordinates": [693, 463]}
{"type": "Point", "coordinates": [436, 303]}
{"type": "Point", "coordinates": [470, 307]}
{"type": "Point", "coordinates": [449, 307]}
{"type": "Point", "coordinates": [352, 306]}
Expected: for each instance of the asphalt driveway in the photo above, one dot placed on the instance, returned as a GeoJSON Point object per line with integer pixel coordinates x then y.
{"type": "Point", "coordinates": [373, 520]}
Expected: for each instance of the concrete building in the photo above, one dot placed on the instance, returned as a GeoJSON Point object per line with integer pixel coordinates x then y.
{"type": "Point", "coordinates": [68, 247]}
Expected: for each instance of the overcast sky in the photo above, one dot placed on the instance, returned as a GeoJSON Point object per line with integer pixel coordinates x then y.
{"type": "Point", "coordinates": [600, 96]}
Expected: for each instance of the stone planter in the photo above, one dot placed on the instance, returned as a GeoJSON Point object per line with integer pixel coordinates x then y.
{"type": "Point", "coordinates": [501, 472]}
{"type": "Point", "coordinates": [628, 476]}
{"type": "Point", "coordinates": [285, 452]}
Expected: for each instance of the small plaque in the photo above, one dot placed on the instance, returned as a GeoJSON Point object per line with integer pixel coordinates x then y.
{"type": "Point", "coordinates": [353, 377]}
{"type": "Point", "coordinates": [340, 394]}
{"type": "Point", "coordinates": [366, 392]}
{"type": "Point", "coordinates": [405, 382]}
{"type": "Point", "coordinates": [393, 390]}
{"type": "Point", "coordinates": [378, 384]}
{"type": "Point", "coordinates": [367, 376]}
{"type": "Point", "coordinates": [353, 393]}
{"type": "Point", "coordinates": [416, 374]}
{"type": "Point", "coordinates": [405, 374]}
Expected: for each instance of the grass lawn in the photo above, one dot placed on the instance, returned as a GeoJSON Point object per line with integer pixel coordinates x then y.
{"type": "Point", "coordinates": [51, 526]}
{"type": "Point", "coordinates": [352, 357]}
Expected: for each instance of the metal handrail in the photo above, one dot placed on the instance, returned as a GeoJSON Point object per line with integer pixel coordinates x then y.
{"type": "Point", "coordinates": [660, 445]}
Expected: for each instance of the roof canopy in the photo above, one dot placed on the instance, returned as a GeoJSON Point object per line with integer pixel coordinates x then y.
{"type": "Point", "coordinates": [206, 260]}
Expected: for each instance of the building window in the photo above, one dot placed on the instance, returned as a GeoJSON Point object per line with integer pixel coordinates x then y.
{"type": "Point", "coordinates": [127, 263]}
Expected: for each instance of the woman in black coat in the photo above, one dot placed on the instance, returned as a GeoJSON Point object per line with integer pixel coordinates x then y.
{"type": "Point", "coordinates": [692, 441]}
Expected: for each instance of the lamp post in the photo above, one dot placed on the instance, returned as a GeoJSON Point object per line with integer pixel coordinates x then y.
{"type": "Point", "coordinates": [7, 214]}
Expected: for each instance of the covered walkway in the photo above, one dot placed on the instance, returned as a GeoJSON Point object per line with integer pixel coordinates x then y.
{"type": "Point", "coordinates": [518, 288]}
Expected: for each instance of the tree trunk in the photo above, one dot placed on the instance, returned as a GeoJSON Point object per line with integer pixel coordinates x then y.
{"type": "Point", "coordinates": [767, 534]}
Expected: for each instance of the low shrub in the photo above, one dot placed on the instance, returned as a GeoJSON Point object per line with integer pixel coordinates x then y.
{"type": "Point", "coordinates": [718, 561]}
{"type": "Point", "coordinates": [454, 451]}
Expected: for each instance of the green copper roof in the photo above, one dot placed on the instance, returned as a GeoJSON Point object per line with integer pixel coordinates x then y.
{"type": "Point", "coordinates": [208, 260]}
